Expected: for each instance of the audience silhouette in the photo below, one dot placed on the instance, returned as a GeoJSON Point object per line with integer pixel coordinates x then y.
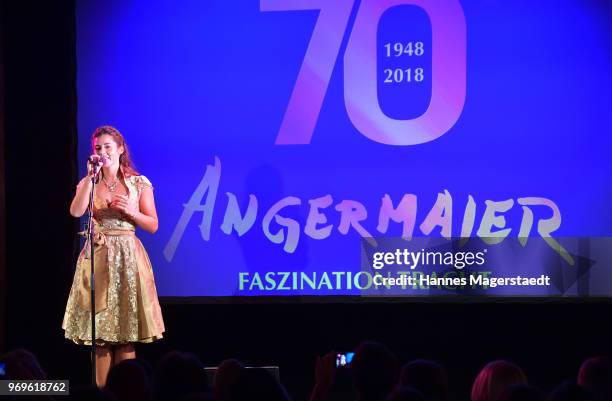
{"type": "Point", "coordinates": [177, 375]}
{"type": "Point", "coordinates": [595, 374]}
{"type": "Point", "coordinates": [494, 378]}
{"type": "Point", "coordinates": [373, 375]}
{"type": "Point", "coordinates": [428, 377]}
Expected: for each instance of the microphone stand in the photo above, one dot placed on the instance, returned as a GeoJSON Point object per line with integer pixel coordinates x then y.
{"type": "Point", "coordinates": [90, 238]}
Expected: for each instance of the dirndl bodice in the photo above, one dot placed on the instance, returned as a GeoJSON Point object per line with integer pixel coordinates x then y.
{"type": "Point", "coordinates": [127, 307]}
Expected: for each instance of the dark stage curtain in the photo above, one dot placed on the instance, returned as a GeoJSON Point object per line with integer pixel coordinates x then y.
{"type": "Point", "coordinates": [39, 170]}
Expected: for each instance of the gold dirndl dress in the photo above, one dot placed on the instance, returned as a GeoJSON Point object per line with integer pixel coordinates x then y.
{"type": "Point", "coordinates": [127, 308]}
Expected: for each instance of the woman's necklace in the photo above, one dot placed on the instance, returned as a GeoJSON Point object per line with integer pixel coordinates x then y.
{"type": "Point", "coordinates": [111, 187]}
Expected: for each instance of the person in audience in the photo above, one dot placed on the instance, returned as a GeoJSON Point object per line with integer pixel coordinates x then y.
{"type": "Point", "coordinates": [494, 378]}
{"type": "Point", "coordinates": [21, 364]}
{"type": "Point", "coordinates": [375, 371]}
{"type": "Point", "coordinates": [178, 375]}
{"type": "Point", "coordinates": [147, 368]}
{"type": "Point", "coordinates": [227, 375]}
{"type": "Point", "coordinates": [522, 392]}
{"type": "Point", "coordinates": [595, 374]}
{"type": "Point", "coordinates": [199, 397]}
{"type": "Point", "coordinates": [89, 393]}
{"type": "Point", "coordinates": [128, 381]}
{"type": "Point", "coordinates": [568, 391]}
{"type": "Point", "coordinates": [428, 377]}
{"type": "Point", "coordinates": [406, 393]}
{"type": "Point", "coordinates": [257, 384]}
{"type": "Point", "coordinates": [332, 382]}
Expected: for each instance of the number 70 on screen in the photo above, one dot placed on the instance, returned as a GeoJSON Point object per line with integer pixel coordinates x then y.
{"type": "Point", "coordinates": [448, 75]}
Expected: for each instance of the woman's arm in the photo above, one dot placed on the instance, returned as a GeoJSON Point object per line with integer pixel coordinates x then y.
{"type": "Point", "coordinates": [146, 217]}
{"type": "Point", "coordinates": [80, 202]}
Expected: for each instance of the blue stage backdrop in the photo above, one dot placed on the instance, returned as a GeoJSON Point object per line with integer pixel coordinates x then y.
{"type": "Point", "coordinates": [315, 147]}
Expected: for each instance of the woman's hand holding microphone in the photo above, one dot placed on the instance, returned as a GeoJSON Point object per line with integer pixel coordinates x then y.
{"type": "Point", "coordinates": [96, 161]}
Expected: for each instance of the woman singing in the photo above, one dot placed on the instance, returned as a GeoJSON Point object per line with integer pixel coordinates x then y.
{"type": "Point", "coordinates": [127, 308]}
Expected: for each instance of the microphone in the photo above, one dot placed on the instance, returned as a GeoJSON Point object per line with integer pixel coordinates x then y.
{"type": "Point", "coordinates": [96, 159]}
